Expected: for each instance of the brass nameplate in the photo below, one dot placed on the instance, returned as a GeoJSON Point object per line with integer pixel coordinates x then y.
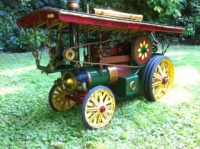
{"type": "Point", "coordinates": [50, 16]}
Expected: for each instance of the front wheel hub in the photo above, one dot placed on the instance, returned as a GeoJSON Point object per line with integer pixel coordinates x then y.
{"type": "Point", "coordinates": [102, 109]}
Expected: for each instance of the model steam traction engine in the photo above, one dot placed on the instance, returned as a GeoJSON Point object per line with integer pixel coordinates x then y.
{"type": "Point", "coordinates": [120, 59]}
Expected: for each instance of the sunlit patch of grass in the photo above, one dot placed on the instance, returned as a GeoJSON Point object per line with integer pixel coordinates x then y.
{"type": "Point", "coordinates": [177, 96]}
{"type": "Point", "coordinates": [185, 76]}
{"type": "Point", "coordinates": [9, 90]}
{"type": "Point", "coordinates": [16, 71]}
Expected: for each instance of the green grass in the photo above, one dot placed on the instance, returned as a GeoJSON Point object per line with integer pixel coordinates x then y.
{"type": "Point", "coordinates": [27, 121]}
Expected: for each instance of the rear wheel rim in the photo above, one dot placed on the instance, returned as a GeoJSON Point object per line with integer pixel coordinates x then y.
{"type": "Point", "coordinates": [163, 78]}
{"type": "Point", "coordinates": [158, 77]}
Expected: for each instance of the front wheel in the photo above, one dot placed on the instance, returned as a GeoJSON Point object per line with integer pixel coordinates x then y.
{"type": "Point", "coordinates": [98, 107]}
{"type": "Point", "coordinates": [158, 77]}
{"type": "Point", "coordinates": [58, 99]}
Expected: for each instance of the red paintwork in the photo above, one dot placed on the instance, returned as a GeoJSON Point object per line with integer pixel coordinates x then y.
{"type": "Point", "coordinates": [123, 71]}
{"type": "Point", "coordinates": [32, 19]}
{"type": "Point", "coordinates": [77, 98]}
{"type": "Point", "coordinates": [39, 17]}
{"type": "Point", "coordinates": [117, 23]}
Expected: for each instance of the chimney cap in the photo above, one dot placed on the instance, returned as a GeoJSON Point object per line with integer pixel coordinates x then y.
{"type": "Point", "coordinates": [73, 4]}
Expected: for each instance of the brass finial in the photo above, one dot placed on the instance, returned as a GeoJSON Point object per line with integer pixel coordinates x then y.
{"type": "Point", "coordinates": [73, 5]}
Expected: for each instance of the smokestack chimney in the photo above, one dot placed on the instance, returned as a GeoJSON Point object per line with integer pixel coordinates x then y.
{"type": "Point", "coordinates": [73, 28]}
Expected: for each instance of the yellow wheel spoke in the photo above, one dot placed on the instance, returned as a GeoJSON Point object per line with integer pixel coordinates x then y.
{"type": "Point", "coordinates": [90, 104]}
{"type": "Point", "coordinates": [165, 87]}
{"type": "Point", "coordinates": [161, 92]}
{"type": "Point", "coordinates": [105, 115]}
{"type": "Point", "coordinates": [104, 121]}
{"type": "Point", "coordinates": [58, 90]}
{"type": "Point", "coordinates": [109, 111]}
{"type": "Point", "coordinates": [108, 107]}
{"type": "Point", "coordinates": [161, 89]}
{"type": "Point", "coordinates": [156, 90]}
{"type": "Point", "coordinates": [95, 121]}
{"type": "Point", "coordinates": [95, 102]}
{"type": "Point", "coordinates": [94, 116]}
{"type": "Point", "coordinates": [107, 101]}
{"type": "Point", "coordinates": [103, 97]}
{"type": "Point", "coordinates": [157, 76]}
{"type": "Point", "coordinates": [164, 69]}
{"type": "Point", "coordinates": [56, 100]}
{"type": "Point", "coordinates": [68, 102]}
{"type": "Point", "coordinates": [160, 70]}
{"type": "Point", "coordinates": [62, 88]}
{"type": "Point", "coordinates": [68, 107]}
{"type": "Point", "coordinates": [89, 114]}
{"type": "Point", "coordinates": [100, 118]}
{"type": "Point", "coordinates": [64, 103]}
{"type": "Point", "coordinates": [100, 98]}
{"type": "Point", "coordinates": [96, 95]}
{"type": "Point", "coordinates": [157, 83]}
{"type": "Point", "coordinates": [59, 96]}
{"type": "Point", "coordinates": [92, 108]}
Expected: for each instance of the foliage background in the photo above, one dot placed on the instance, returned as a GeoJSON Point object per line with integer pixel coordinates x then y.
{"type": "Point", "coordinates": [172, 12]}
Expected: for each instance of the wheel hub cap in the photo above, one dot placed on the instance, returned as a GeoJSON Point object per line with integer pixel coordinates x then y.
{"type": "Point", "coordinates": [165, 80]}
{"type": "Point", "coordinates": [102, 109]}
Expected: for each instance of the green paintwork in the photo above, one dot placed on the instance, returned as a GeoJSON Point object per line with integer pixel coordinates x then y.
{"type": "Point", "coordinates": [97, 78]}
{"type": "Point", "coordinates": [122, 87]}
{"type": "Point", "coordinates": [60, 63]}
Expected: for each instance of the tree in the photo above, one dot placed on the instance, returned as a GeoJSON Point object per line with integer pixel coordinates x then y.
{"type": "Point", "coordinates": [190, 11]}
{"type": "Point", "coordinates": [162, 11]}
{"type": "Point", "coordinates": [8, 28]}
{"type": "Point", "coordinates": [11, 11]}
{"type": "Point", "coordinates": [153, 10]}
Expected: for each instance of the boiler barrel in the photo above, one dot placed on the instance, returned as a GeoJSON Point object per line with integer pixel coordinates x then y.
{"type": "Point", "coordinates": [108, 75]}
{"type": "Point", "coordinates": [93, 76]}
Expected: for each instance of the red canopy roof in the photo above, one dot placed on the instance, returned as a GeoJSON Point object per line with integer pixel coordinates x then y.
{"type": "Point", "coordinates": [50, 17]}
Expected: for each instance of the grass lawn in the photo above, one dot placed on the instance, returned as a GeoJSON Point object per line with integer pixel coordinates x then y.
{"type": "Point", "coordinates": [27, 121]}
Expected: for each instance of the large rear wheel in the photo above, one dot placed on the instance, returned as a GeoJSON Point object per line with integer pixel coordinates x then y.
{"type": "Point", "coordinates": [58, 99]}
{"type": "Point", "coordinates": [158, 77]}
{"type": "Point", "coordinates": [98, 107]}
